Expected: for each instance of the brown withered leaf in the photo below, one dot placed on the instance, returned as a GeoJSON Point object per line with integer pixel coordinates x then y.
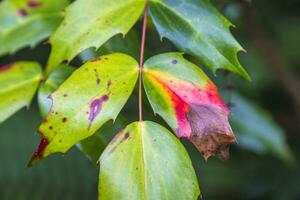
{"type": "Point", "coordinates": [211, 131]}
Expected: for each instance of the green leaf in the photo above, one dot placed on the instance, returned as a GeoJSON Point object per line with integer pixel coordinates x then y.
{"type": "Point", "coordinates": [26, 23]}
{"type": "Point", "coordinates": [257, 131]}
{"type": "Point", "coordinates": [189, 102]}
{"type": "Point", "coordinates": [82, 29]}
{"type": "Point", "coordinates": [19, 82]}
{"type": "Point", "coordinates": [197, 28]}
{"type": "Point", "coordinates": [145, 161]}
{"type": "Point", "coordinates": [56, 78]}
{"type": "Point", "coordinates": [92, 146]}
{"type": "Point", "coordinates": [92, 95]}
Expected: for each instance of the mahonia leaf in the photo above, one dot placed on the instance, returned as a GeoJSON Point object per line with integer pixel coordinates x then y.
{"type": "Point", "coordinates": [197, 28]}
{"type": "Point", "coordinates": [189, 102]}
{"type": "Point", "coordinates": [146, 161]}
{"type": "Point", "coordinates": [19, 82]}
{"type": "Point", "coordinates": [27, 22]}
{"type": "Point", "coordinates": [92, 146]}
{"type": "Point", "coordinates": [90, 23]}
{"type": "Point", "coordinates": [92, 95]}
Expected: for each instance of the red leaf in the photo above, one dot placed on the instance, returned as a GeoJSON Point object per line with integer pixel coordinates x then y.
{"type": "Point", "coordinates": [202, 116]}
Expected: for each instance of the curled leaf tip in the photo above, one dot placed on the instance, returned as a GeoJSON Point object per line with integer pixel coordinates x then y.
{"type": "Point", "coordinates": [210, 130]}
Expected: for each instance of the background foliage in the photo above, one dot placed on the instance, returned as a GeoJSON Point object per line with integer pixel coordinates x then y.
{"type": "Point", "coordinates": [265, 110]}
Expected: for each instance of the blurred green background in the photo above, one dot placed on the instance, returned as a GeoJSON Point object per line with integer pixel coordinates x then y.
{"type": "Point", "coordinates": [265, 117]}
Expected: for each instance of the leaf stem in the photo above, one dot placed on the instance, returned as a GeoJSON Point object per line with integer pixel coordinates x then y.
{"type": "Point", "coordinates": [141, 64]}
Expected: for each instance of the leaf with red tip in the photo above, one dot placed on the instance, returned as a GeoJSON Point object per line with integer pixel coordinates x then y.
{"type": "Point", "coordinates": [18, 82]}
{"type": "Point", "coordinates": [79, 110]}
{"type": "Point", "coordinates": [189, 102]}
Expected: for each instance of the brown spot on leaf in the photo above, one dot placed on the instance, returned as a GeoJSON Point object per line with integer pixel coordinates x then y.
{"type": "Point", "coordinates": [34, 4]}
{"type": "Point", "coordinates": [64, 120]}
{"type": "Point", "coordinates": [97, 77]}
{"type": "Point", "coordinates": [65, 95]}
{"type": "Point", "coordinates": [22, 12]}
{"type": "Point", "coordinates": [174, 61]}
{"type": "Point", "coordinates": [108, 85]}
{"type": "Point", "coordinates": [211, 131]}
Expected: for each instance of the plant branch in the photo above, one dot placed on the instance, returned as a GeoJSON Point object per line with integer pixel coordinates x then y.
{"type": "Point", "coordinates": [141, 64]}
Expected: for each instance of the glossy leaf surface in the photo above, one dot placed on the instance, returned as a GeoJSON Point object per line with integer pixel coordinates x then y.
{"type": "Point", "coordinates": [18, 82]}
{"type": "Point", "coordinates": [189, 102]}
{"type": "Point", "coordinates": [27, 22]}
{"type": "Point", "coordinates": [197, 28]}
{"type": "Point", "coordinates": [90, 23]}
{"type": "Point", "coordinates": [92, 95]}
{"type": "Point", "coordinates": [92, 146]}
{"type": "Point", "coordinates": [146, 161]}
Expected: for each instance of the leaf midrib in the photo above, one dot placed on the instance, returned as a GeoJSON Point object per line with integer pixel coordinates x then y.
{"type": "Point", "coordinates": [141, 131]}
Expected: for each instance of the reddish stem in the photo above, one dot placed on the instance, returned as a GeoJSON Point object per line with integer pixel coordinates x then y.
{"type": "Point", "coordinates": [141, 64]}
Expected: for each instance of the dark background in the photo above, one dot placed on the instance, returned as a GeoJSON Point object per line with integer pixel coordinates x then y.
{"type": "Point", "coordinates": [270, 32]}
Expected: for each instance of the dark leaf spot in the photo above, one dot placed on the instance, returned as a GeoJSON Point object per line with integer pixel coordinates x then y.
{"type": "Point", "coordinates": [22, 12]}
{"type": "Point", "coordinates": [96, 107]}
{"type": "Point", "coordinates": [33, 4]}
{"type": "Point", "coordinates": [174, 62]}
{"type": "Point", "coordinates": [64, 120]}
{"type": "Point", "coordinates": [97, 77]}
{"type": "Point", "coordinates": [126, 136]}
{"type": "Point", "coordinates": [108, 84]}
